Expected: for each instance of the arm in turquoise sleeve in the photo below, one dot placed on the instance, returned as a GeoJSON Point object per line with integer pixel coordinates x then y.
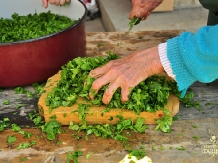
{"type": "Point", "coordinates": [194, 57]}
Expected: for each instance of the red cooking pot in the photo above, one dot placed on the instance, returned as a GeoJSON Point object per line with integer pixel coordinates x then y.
{"type": "Point", "coordinates": [35, 60]}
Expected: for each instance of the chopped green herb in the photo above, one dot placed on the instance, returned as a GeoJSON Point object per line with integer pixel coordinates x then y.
{"type": "Point", "coordinates": [134, 21]}
{"type": "Point", "coordinates": [15, 127]}
{"type": "Point", "coordinates": [23, 159]}
{"type": "Point", "coordinates": [73, 156]}
{"type": "Point", "coordinates": [89, 155]}
{"type": "Point", "coordinates": [6, 102]}
{"type": "Point", "coordinates": [32, 26]}
{"type": "Point", "coordinates": [181, 148]}
{"type": "Point", "coordinates": [11, 139]}
{"type": "Point", "coordinates": [194, 126]}
{"type": "Point", "coordinates": [189, 102]}
{"type": "Point", "coordinates": [196, 137]}
{"type": "Point", "coordinates": [4, 123]}
{"type": "Point", "coordinates": [75, 72]}
{"type": "Point", "coordinates": [162, 148]}
{"type": "Point", "coordinates": [138, 153]}
{"type": "Point", "coordinates": [176, 118]}
{"type": "Point", "coordinates": [100, 45]}
{"type": "Point", "coordinates": [37, 119]}
{"type": "Point", "coordinates": [59, 142]}
{"type": "Point", "coordinates": [26, 145]}
{"type": "Point", "coordinates": [164, 122]}
{"type": "Point", "coordinates": [51, 128]}
{"type": "Point", "coordinates": [19, 106]}
{"type": "Point", "coordinates": [65, 115]}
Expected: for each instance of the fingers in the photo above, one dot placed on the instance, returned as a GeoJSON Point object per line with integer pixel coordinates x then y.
{"type": "Point", "coordinates": [97, 84]}
{"type": "Point", "coordinates": [62, 2]}
{"type": "Point", "coordinates": [125, 91]}
{"type": "Point", "coordinates": [100, 70]}
{"type": "Point", "coordinates": [45, 3]}
{"type": "Point", "coordinates": [56, 2]}
{"type": "Point", "coordinates": [108, 94]}
{"type": "Point", "coordinates": [111, 89]}
{"type": "Point", "coordinates": [51, 1]}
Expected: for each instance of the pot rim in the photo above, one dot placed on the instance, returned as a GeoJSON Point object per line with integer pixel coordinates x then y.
{"type": "Point", "coordinates": [50, 35]}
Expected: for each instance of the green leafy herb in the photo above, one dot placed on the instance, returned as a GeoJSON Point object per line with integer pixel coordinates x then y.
{"type": "Point", "coordinates": [162, 148]}
{"type": "Point", "coordinates": [196, 137]}
{"type": "Point", "coordinates": [164, 122]}
{"type": "Point", "coordinates": [194, 126]}
{"type": "Point", "coordinates": [37, 119]}
{"type": "Point", "coordinates": [59, 142]}
{"type": "Point", "coordinates": [51, 128]}
{"type": "Point", "coordinates": [39, 88]}
{"type": "Point", "coordinates": [19, 106]}
{"type": "Point", "coordinates": [6, 102]}
{"type": "Point", "coordinates": [181, 148]}
{"type": "Point", "coordinates": [150, 95]}
{"type": "Point", "coordinates": [138, 153]}
{"type": "Point", "coordinates": [26, 145]}
{"type": "Point", "coordinates": [23, 159]}
{"type": "Point", "coordinates": [74, 156]}
{"type": "Point", "coordinates": [189, 101]}
{"type": "Point", "coordinates": [100, 45]}
{"type": "Point", "coordinates": [11, 139]}
{"type": "Point", "coordinates": [4, 123]}
{"type": "Point", "coordinates": [32, 26]}
{"type": "Point", "coordinates": [15, 127]}
{"type": "Point", "coordinates": [89, 155]}
{"type": "Point", "coordinates": [134, 21]}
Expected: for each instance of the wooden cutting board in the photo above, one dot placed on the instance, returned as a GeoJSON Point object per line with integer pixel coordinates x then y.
{"type": "Point", "coordinates": [66, 114]}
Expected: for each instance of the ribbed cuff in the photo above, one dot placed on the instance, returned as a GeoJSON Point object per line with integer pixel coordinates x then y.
{"type": "Point", "coordinates": [183, 77]}
{"type": "Point", "coordinates": [162, 50]}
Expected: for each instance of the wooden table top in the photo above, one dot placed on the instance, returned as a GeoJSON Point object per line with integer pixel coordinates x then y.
{"type": "Point", "coordinates": [98, 43]}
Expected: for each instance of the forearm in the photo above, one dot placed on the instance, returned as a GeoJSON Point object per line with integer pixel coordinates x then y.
{"type": "Point", "coordinates": [194, 57]}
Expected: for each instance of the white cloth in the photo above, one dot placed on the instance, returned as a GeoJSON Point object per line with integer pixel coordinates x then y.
{"type": "Point", "coordinates": [162, 50]}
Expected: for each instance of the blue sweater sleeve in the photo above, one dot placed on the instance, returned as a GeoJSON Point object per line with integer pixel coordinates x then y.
{"type": "Point", "coordinates": [194, 57]}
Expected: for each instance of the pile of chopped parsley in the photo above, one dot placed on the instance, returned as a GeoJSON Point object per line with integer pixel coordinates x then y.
{"type": "Point", "coordinates": [32, 26]}
{"type": "Point", "coordinates": [150, 95]}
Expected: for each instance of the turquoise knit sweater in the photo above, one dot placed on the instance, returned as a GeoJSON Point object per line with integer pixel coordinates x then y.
{"type": "Point", "coordinates": [194, 57]}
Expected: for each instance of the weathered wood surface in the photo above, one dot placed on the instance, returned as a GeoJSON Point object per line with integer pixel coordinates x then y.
{"type": "Point", "coordinates": [98, 43]}
{"type": "Point", "coordinates": [203, 93]}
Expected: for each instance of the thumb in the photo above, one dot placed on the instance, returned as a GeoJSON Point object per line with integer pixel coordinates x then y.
{"type": "Point", "coordinates": [45, 3]}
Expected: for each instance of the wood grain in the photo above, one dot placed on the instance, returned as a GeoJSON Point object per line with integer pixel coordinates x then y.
{"type": "Point", "coordinates": [94, 114]}
{"type": "Point", "coordinates": [134, 41]}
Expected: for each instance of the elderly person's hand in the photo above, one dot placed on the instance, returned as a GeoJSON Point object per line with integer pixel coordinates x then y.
{"type": "Point", "coordinates": [126, 73]}
{"type": "Point", "coordinates": [56, 2]}
{"type": "Point", "coordinates": [142, 8]}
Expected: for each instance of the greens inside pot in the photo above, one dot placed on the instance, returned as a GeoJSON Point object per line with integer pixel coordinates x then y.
{"type": "Point", "coordinates": [32, 26]}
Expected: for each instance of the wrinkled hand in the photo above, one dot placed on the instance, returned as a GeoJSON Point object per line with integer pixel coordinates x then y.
{"type": "Point", "coordinates": [126, 73]}
{"type": "Point", "coordinates": [142, 8]}
{"type": "Point", "coordinates": [56, 2]}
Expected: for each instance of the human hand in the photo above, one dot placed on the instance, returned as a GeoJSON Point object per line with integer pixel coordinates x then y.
{"type": "Point", "coordinates": [126, 73]}
{"type": "Point", "coordinates": [142, 8]}
{"type": "Point", "coordinates": [56, 2]}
